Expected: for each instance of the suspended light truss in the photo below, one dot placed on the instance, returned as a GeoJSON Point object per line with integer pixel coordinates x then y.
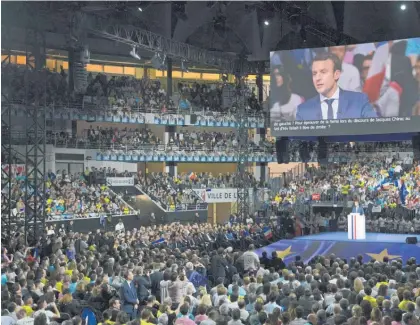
{"type": "Point", "coordinates": [147, 40]}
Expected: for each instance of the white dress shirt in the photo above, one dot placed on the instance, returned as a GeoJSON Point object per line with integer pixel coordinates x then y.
{"type": "Point", "coordinates": [324, 105]}
{"type": "Point", "coordinates": [349, 78]}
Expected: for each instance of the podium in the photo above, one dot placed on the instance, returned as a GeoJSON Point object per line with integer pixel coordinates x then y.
{"type": "Point", "coordinates": [356, 226]}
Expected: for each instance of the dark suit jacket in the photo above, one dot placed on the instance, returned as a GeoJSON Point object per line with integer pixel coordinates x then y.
{"type": "Point", "coordinates": [351, 104]}
{"type": "Point", "coordinates": [218, 266]}
{"type": "Point", "coordinates": [155, 279]}
{"type": "Point", "coordinates": [143, 285]}
{"type": "Point", "coordinates": [128, 293]}
{"type": "Point", "coordinates": [358, 210]}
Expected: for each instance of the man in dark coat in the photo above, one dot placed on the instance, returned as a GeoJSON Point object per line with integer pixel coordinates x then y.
{"type": "Point", "coordinates": [128, 295]}
{"type": "Point", "coordinates": [219, 265]}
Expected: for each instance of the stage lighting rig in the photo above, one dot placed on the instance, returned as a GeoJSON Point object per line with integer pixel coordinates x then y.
{"type": "Point", "coordinates": [134, 54]}
{"type": "Point", "coordinates": [158, 61]}
{"type": "Point", "coordinates": [184, 66]}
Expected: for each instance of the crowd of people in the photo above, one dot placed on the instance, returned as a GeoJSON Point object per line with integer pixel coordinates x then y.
{"type": "Point", "coordinates": [122, 138]}
{"type": "Point", "coordinates": [384, 182]}
{"type": "Point", "coordinates": [68, 196]}
{"type": "Point", "coordinates": [177, 192]}
{"type": "Point", "coordinates": [171, 194]}
{"type": "Point", "coordinates": [197, 274]}
{"type": "Point", "coordinates": [201, 274]}
{"type": "Point", "coordinates": [210, 180]}
{"type": "Point", "coordinates": [124, 96]}
{"type": "Point", "coordinates": [17, 79]}
{"type": "Point", "coordinates": [133, 138]}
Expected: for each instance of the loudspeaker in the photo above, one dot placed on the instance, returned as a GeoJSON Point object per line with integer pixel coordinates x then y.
{"type": "Point", "coordinates": [411, 240]}
{"type": "Point", "coordinates": [304, 151]}
{"type": "Point", "coordinates": [416, 147]}
{"type": "Point", "coordinates": [193, 118]}
{"type": "Point", "coordinates": [282, 150]}
{"type": "Point", "coordinates": [322, 148]}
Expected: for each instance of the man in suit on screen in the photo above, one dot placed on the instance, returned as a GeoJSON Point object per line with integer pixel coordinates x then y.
{"type": "Point", "coordinates": [332, 102]}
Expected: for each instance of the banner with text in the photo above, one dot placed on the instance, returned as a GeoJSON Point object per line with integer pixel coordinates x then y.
{"type": "Point", "coordinates": [120, 181]}
{"type": "Point", "coordinates": [219, 195]}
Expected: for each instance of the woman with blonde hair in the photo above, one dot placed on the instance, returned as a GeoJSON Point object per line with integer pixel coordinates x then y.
{"type": "Point", "coordinates": [375, 316]}
{"type": "Point", "coordinates": [220, 294]}
{"type": "Point", "coordinates": [205, 298]}
{"type": "Point", "coordinates": [358, 285]}
{"type": "Point", "coordinates": [79, 294]}
{"type": "Point", "coordinates": [68, 305]}
{"type": "Point", "coordinates": [356, 313]}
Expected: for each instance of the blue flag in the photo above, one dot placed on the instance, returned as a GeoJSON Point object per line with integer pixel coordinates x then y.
{"type": "Point", "coordinates": [197, 279]}
{"type": "Point", "coordinates": [159, 241]}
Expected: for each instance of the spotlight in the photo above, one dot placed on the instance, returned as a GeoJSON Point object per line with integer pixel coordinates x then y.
{"type": "Point", "coordinates": [158, 62]}
{"type": "Point", "coordinates": [184, 66]}
{"type": "Point", "coordinates": [134, 54]}
{"type": "Point", "coordinates": [139, 8]}
{"type": "Point", "coordinates": [403, 7]}
{"type": "Point", "coordinates": [266, 23]}
{"type": "Point", "coordinates": [225, 78]}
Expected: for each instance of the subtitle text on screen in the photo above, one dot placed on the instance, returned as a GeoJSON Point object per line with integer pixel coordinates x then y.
{"type": "Point", "coordinates": [279, 126]}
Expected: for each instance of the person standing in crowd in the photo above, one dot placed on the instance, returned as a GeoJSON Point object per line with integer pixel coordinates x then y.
{"type": "Point", "coordinates": [152, 219]}
{"type": "Point", "coordinates": [251, 260]}
{"type": "Point", "coordinates": [128, 294]}
{"type": "Point", "coordinates": [219, 265]}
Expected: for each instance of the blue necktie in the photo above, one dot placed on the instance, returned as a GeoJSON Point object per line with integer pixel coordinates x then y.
{"type": "Point", "coordinates": [330, 114]}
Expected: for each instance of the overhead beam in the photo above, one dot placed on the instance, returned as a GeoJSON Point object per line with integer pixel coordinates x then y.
{"type": "Point", "coordinates": [156, 43]}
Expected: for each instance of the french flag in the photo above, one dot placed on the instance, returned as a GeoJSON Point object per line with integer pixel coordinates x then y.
{"type": "Point", "coordinates": [376, 73]}
{"type": "Point", "coordinates": [267, 232]}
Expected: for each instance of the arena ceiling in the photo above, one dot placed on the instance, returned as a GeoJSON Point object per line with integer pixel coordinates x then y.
{"type": "Point", "coordinates": [227, 26]}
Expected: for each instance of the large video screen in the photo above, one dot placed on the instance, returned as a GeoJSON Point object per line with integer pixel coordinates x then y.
{"type": "Point", "coordinates": [371, 88]}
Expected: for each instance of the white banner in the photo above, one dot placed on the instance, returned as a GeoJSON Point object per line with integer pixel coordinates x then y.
{"type": "Point", "coordinates": [376, 208]}
{"type": "Point", "coordinates": [120, 181]}
{"type": "Point", "coordinates": [219, 195]}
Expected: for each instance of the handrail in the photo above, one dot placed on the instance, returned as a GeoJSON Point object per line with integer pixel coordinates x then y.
{"type": "Point", "coordinates": [104, 109]}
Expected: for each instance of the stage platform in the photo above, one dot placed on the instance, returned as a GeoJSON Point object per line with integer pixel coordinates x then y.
{"type": "Point", "coordinates": [376, 245]}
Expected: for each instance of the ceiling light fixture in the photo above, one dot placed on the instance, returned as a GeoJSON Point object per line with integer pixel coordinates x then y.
{"type": "Point", "coordinates": [184, 66]}
{"type": "Point", "coordinates": [158, 61]}
{"type": "Point", "coordinates": [266, 23]}
{"type": "Point", "coordinates": [403, 7]}
{"type": "Point", "coordinates": [134, 54]}
{"type": "Point", "coordinates": [140, 9]}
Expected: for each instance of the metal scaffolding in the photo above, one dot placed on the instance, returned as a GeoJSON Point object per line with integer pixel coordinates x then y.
{"type": "Point", "coordinates": [35, 148]}
{"type": "Point", "coordinates": [159, 44]}
{"type": "Point", "coordinates": [8, 220]}
{"type": "Point", "coordinates": [243, 203]}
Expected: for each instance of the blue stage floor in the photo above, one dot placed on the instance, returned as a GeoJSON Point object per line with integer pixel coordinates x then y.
{"type": "Point", "coordinates": [375, 246]}
{"type": "Point", "coordinates": [371, 237]}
